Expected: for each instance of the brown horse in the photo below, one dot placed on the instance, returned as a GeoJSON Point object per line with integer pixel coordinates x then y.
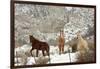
{"type": "Point", "coordinates": [61, 42]}
{"type": "Point", "coordinates": [39, 45]}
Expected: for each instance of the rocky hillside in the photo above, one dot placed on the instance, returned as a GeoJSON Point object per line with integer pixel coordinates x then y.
{"type": "Point", "coordinates": [44, 22]}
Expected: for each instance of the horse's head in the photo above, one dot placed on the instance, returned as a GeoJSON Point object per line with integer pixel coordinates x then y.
{"type": "Point", "coordinates": [31, 38]}
{"type": "Point", "coordinates": [61, 32]}
{"type": "Point", "coordinates": [78, 35]}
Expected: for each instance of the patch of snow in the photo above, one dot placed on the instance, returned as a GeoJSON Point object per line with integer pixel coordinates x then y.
{"type": "Point", "coordinates": [30, 61]}
{"type": "Point", "coordinates": [63, 58]}
{"type": "Point", "coordinates": [54, 49]}
{"type": "Point", "coordinates": [54, 57]}
{"type": "Point", "coordinates": [68, 8]}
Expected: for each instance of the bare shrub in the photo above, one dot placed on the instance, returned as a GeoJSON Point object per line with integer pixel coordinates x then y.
{"type": "Point", "coordinates": [91, 45]}
{"type": "Point", "coordinates": [86, 57]}
{"type": "Point", "coordinates": [42, 60]}
{"type": "Point", "coordinates": [21, 60]}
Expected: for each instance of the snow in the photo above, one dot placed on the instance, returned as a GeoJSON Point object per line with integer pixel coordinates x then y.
{"type": "Point", "coordinates": [55, 57]}
{"type": "Point", "coordinates": [63, 58]}
{"type": "Point", "coordinates": [68, 8]}
{"type": "Point", "coordinates": [30, 61]}
{"type": "Point", "coordinates": [54, 49]}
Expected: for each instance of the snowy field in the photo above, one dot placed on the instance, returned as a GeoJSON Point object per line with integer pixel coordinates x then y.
{"type": "Point", "coordinates": [23, 57]}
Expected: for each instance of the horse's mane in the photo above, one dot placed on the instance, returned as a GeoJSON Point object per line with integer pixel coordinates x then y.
{"type": "Point", "coordinates": [33, 38]}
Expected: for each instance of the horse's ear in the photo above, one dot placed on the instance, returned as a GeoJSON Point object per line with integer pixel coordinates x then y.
{"type": "Point", "coordinates": [29, 35]}
{"type": "Point", "coordinates": [78, 33]}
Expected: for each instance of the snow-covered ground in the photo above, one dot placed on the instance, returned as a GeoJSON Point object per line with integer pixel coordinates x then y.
{"type": "Point", "coordinates": [55, 57]}
{"type": "Point", "coordinates": [63, 58]}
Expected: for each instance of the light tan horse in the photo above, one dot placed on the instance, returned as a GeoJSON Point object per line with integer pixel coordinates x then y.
{"type": "Point", "coordinates": [82, 45]}
{"type": "Point", "coordinates": [61, 42]}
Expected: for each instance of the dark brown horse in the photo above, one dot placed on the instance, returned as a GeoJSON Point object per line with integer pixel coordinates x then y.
{"type": "Point", "coordinates": [39, 45]}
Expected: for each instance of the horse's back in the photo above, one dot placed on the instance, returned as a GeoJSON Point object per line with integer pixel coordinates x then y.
{"type": "Point", "coordinates": [44, 45]}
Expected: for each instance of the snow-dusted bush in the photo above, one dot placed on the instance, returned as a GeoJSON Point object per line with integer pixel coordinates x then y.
{"type": "Point", "coordinates": [42, 60]}
{"type": "Point", "coordinates": [54, 50]}
{"type": "Point", "coordinates": [21, 60]}
{"type": "Point", "coordinates": [30, 61]}
{"type": "Point", "coordinates": [20, 54]}
{"type": "Point", "coordinates": [86, 57]}
{"type": "Point", "coordinates": [67, 49]}
{"type": "Point", "coordinates": [21, 51]}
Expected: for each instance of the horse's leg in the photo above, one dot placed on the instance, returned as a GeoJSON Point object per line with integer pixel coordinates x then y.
{"type": "Point", "coordinates": [37, 53]}
{"type": "Point", "coordinates": [62, 48]}
{"type": "Point", "coordinates": [47, 51]}
{"type": "Point", "coordinates": [59, 49]}
{"type": "Point", "coordinates": [31, 51]}
{"type": "Point", "coordinates": [43, 53]}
